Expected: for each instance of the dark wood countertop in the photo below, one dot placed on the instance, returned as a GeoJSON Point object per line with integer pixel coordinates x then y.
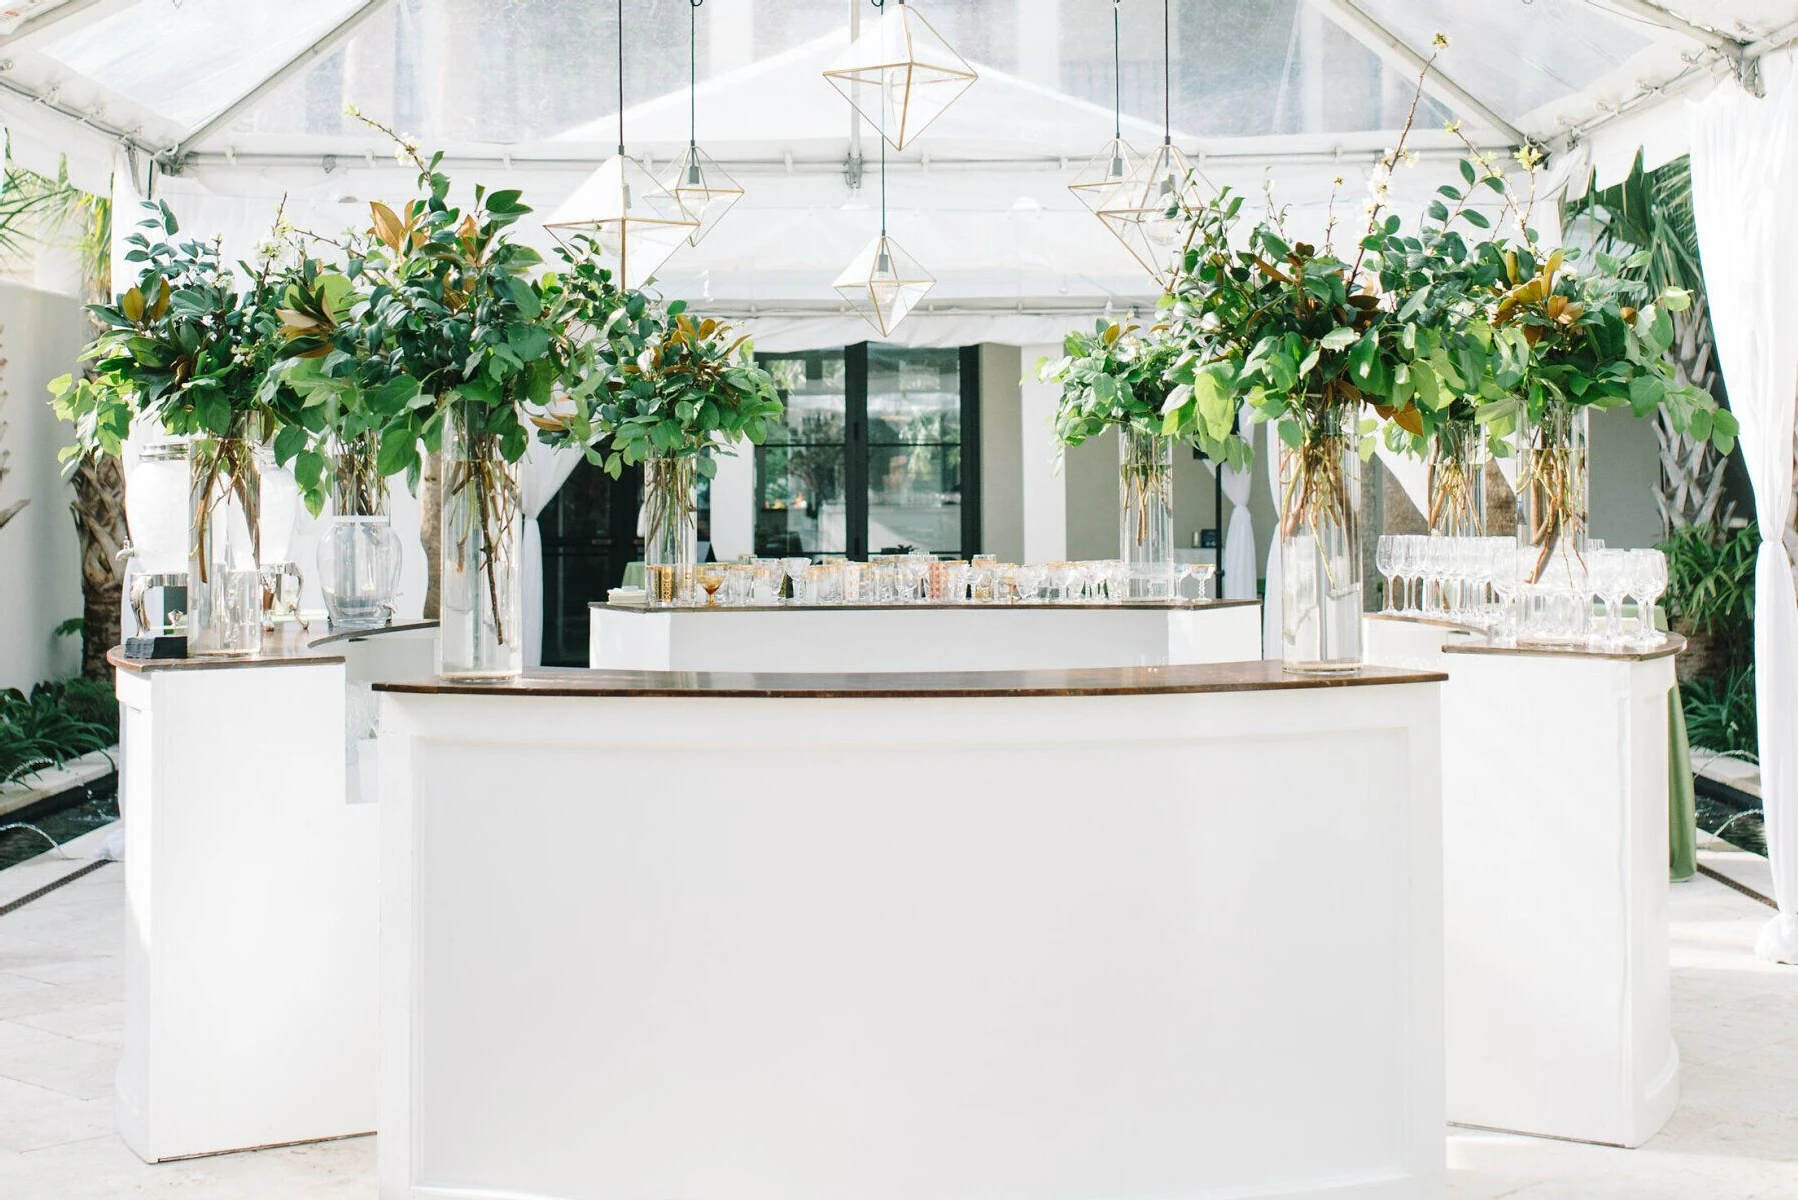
{"type": "Point", "coordinates": [1200, 678]}
{"type": "Point", "coordinates": [1671, 644]}
{"type": "Point", "coordinates": [289, 646]}
{"type": "Point", "coordinates": [958, 606]}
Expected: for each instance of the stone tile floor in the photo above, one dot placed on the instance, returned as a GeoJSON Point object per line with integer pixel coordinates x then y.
{"type": "Point", "coordinates": [1734, 1137]}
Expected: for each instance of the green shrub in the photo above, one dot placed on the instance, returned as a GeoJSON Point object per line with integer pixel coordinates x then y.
{"type": "Point", "coordinates": [1720, 713]}
{"type": "Point", "coordinates": [57, 722]}
{"type": "Point", "coordinates": [1710, 578]}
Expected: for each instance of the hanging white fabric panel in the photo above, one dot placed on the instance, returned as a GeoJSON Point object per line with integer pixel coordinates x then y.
{"type": "Point", "coordinates": [1745, 191]}
{"type": "Point", "coordinates": [1239, 535]}
{"type": "Point", "coordinates": [541, 476]}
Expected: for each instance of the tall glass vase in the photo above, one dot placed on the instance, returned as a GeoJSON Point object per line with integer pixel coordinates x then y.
{"type": "Point", "coordinates": [670, 528]}
{"type": "Point", "coordinates": [1320, 545]}
{"type": "Point", "coordinates": [1457, 480]}
{"type": "Point", "coordinates": [1554, 488]}
{"type": "Point", "coordinates": [224, 589]}
{"type": "Point", "coordinates": [1146, 514]}
{"type": "Point", "coordinates": [359, 554]}
{"type": "Point", "coordinates": [481, 632]}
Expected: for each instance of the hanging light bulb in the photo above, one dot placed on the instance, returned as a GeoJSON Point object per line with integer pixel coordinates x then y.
{"type": "Point", "coordinates": [635, 221]}
{"type": "Point", "coordinates": [914, 73]}
{"type": "Point", "coordinates": [700, 184]}
{"type": "Point", "coordinates": [1149, 211]}
{"type": "Point", "coordinates": [1106, 171]}
{"type": "Point", "coordinates": [883, 283]}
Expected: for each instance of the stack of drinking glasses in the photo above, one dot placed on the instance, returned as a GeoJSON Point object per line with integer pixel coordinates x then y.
{"type": "Point", "coordinates": [1491, 584]}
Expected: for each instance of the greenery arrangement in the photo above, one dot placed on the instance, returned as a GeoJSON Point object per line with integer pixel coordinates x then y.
{"type": "Point", "coordinates": [1125, 377]}
{"type": "Point", "coordinates": [1720, 713]}
{"type": "Point", "coordinates": [56, 722]}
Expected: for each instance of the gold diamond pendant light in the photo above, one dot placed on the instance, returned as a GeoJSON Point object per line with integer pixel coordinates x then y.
{"type": "Point", "coordinates": [1116, 159]}
{"type": "Point", "coordinates": [635, 221]}
{"type": "Point", "coordinates": [700, 184]}
{"type": "Point", "coordinates": [914, 73]}
{"type": "Point", "coordinates": [883, 283]}
{"type": "Point", "coordinates": [1148, 212]}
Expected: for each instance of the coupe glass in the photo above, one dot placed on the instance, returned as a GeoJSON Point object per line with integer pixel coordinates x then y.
{"type": "Point", "coordinates": [1029, 581]}
{"type": "Point", "coordinates": [1060, 575]}
{"type": "Point", "coordinates": [1117, 573]}
{"type": "Point", "coordinates": [916, 570]}
{"type": "Point", "coordinates": [1204, 576]}
{"type": "Point", "coordinates": [710, 577]}
{"type": "Point", "coordinates": [1647, 580]}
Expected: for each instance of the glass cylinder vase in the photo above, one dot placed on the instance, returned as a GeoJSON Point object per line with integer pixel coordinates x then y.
{"type": "Point", "coordinates": [224, 580]}
{"type": "Point", "coordinates": [359, 554]}
{"type": "Point", "coordinates": [1554, 488]}
{"type": "Point", "coordinates": [670, 528]}
{"type": "Point", "coordinates": [1320, 545]}
{"type": "Point", "coordinates": [481, 634]}
{"type": "Point", "coordinates": [1457, 480]}
{"type": "Point", "coordinates": [1146, 514]}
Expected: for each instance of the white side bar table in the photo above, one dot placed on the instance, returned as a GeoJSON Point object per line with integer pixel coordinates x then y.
{"type": "Point", "coordinates": [1556, 877]}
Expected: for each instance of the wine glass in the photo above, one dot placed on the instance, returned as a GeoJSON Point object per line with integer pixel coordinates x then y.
{"type": "Point", "coordinates": [1647, 580]}
{"type": "Point", "coordinates": [795, 569]}
{"type": "Point", "coordinates": [1386, 561]}
{"type": "Point", "coordinates": [916, 569]}
{"type": "Point", "coordinates": [1612, 582]}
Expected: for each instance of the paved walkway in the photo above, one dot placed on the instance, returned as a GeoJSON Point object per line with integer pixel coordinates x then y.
{"type": "Point", "coordinates": [1734, 1137]}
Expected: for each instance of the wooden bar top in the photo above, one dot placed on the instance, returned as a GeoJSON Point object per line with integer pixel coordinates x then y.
{"type": "Point", "coordinates": [1197, 678]}
{"type": "Point", "coordinates": [288, 646]}
{"type": "Point", "coordinates": [1669, 645]}
{"type": "Point", "coordinates": [939, 606]}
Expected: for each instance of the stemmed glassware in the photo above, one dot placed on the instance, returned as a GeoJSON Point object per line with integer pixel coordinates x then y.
{"type": "Point", "coordinates": [795, 569]}
{"type": "Point", "coordinates": [1029, 581]}
{"type": "Point", "coordinates": [1386, 556]}
{"type": "Point", "coordinates": [1647, 580]}
{"type": "Point", "coordinates": [1609, 573]}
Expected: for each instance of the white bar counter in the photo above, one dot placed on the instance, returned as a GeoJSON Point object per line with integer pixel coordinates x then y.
{"type": "Point", "coordinates": [251, 895]}
{"type": "Point", "coordinates": [1559, 1010]}
{"type": "Point", "coordinates": [923, 637]}
{"type": "Point", "coordinates": [1052, 935]}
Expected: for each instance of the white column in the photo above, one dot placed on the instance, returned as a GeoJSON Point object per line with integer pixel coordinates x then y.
{"type": "Point", "coordinates": [1045, 492]}
{"type": "Point", "coordinates": [733, 504]}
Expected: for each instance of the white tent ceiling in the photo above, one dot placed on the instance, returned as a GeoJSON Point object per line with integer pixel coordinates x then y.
{"type": "Point", "coordinates": [224, 106]}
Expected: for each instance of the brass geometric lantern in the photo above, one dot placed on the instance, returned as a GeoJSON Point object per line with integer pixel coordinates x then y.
{"type": "Point", "coordinates": [1149, 211]}
{"type": "Point", "coordinates": [1116, 159]}
{"type": "Point", "coordinates": [914, 74]}
{"type": "Point", "coordinates": [636, 222]}
{"type": "Point", "coordinates": [697, 182]}
{"type": "Point", "coordinates": [883, 283]}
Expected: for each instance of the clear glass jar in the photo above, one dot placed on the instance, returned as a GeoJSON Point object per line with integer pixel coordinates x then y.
{"type": "Point", "coordinates": [481, 614]}
{"type": "Point", "coordinates": [1320, 545]}
{"type": "Point", "coordinates": [359, 554]}
{"type": "Point", "coordinates": [1554, 486]}
{"type": "Point", "coordinates": [1146, 513]}
{"type": "Point", "coordinates": [1457, 480]}
{"type": "Point", "coordinates": [224, 580]}
{"type": "Point", "coordinates": [670, 528]}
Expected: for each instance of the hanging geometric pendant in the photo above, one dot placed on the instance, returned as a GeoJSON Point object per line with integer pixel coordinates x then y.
{"type": "Point", "coordinates": [1148, 212]}
{"type": "Point", "coordinates": [1104, 173]}
{"type": "Point", "coordinates": [703, 189]}
{"type": "Point", "coordinates": [636, 222]}
{"type": "Point", "coordinates": [883, 284]}
{"type": "Point", "coordinates": [914, 74]}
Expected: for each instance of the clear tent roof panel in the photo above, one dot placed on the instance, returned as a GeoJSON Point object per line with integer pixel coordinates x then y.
{"type": "Point", "coordinates": [187, 61]}
{"type": "Point", "coordinates": [1290, 70]}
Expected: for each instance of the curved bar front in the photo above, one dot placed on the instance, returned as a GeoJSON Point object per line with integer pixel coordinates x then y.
{"type": "Point", "coordinates": [1075, 934]}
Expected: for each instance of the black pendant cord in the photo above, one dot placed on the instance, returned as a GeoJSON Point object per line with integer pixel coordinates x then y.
{"type": "Point", "coordinates": [1117, 75]}
{"type": "Point", "coordinates": [1167, 77]}
{"type": "Point", "coordinates": [693, 74]}
{"type": "Point", "coordinates": [621, 77]}
{"type": "Point", "coordinates": [881, 4]}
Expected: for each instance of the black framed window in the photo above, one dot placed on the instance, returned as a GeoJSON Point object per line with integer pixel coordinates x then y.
{"type": "Point", "coordinates": [879, 452]}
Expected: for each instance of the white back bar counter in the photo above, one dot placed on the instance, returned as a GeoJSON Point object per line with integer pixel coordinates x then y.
{"type": "Point", "coordinates": [1049, 935]}
{"type": "Point", "coordinates": [251, 894]}
{"type": "Point", "coordinates": [1556, 865]}
{"type": "Point", "coordinates": [923, 637]}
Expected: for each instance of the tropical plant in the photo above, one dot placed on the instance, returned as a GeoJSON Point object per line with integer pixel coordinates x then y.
{"type": "Point", "coordinates": [1710, 578]}
{"type": "Point", "coordinates": [1647, 220]}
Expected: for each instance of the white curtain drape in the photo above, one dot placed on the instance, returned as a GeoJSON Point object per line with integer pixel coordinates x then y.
{"type": "Point", "coordinates": [1238, 557]}
{"type": "Point", "coordinates": [1745, 191]}
{"type": "Point", "coordinates": [541, 476]}
{"type": "Point", "coordinates": [1270, 604]}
